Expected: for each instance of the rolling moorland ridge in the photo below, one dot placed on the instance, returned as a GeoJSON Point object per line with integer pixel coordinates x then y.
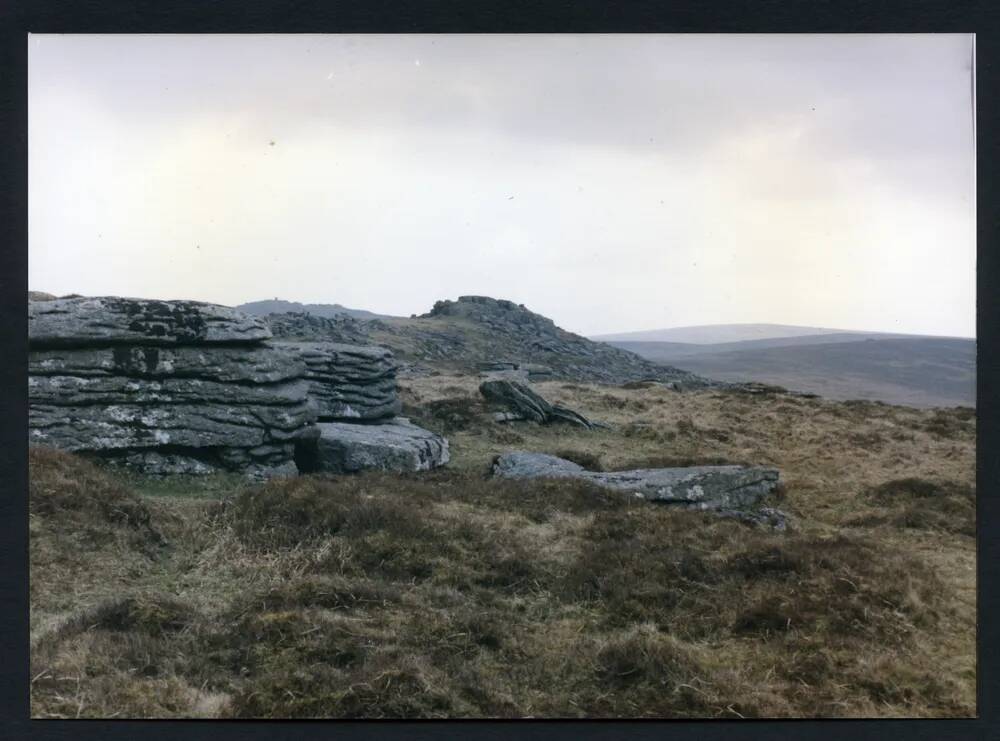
{"type": "Point", "coordinates": [455, 592]}
{"type": "Point", "coordinates": [915, 370]}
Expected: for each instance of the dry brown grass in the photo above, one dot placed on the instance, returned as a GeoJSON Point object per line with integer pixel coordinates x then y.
{"type": "Point", "coordinates": [451, 595]}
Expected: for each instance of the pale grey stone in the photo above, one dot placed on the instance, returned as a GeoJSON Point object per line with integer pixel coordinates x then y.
{"type": "Point", "coordinates": [397, 445]}
{"type": "Point", "coordinates": [729, 490]}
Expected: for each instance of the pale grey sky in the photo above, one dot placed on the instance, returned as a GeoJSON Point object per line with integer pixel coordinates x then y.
{"type": "Point", "coordinates": [610, 182]}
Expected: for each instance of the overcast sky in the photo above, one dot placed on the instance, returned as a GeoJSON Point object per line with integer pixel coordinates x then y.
{"type": "Point", "coordinates": [612, 183]}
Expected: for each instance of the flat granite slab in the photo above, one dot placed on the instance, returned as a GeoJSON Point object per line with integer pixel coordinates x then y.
{"type": "Point", "coordinates": [726, 489]}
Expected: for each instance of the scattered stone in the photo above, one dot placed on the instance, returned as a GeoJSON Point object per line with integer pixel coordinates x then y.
{"type": "Point", "coordinates": [515, 371]}
{"type": "Point", "coordinates": [507, 417]}
{"type": "Point", "coordinates": [397, 445]}
{"type": "Point", "coordinates": [525, 404]}
{"type": "Point", "coordinates": [651, 383]}
{"type": "Point", "coordinates": [731, 491]}
{"type": "Point", "coordinates": [303, 326]}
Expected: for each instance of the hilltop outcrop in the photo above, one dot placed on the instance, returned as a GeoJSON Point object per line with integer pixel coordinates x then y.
{"type": "Point", "coordinates": [478, 333]}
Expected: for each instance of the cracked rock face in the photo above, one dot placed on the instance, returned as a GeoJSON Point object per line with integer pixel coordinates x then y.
{"type": "Point", "coordinates": [110, 320]}
{"type": "Point", "coordinates": [728, 490]}
{"type": "Point", "coordinates": [349, 382]}
{"type": "Point", "coordinates": [397, 445]}
{"type": "Point", "coordinates": [164, 386]}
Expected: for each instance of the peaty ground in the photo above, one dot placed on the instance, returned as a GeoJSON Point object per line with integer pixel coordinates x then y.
{"type": "Point", "coordinates": [447, 594]}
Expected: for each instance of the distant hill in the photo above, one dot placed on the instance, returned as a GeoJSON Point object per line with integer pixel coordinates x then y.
{"type": "Point", "coordinates": [278, 306]}
{"type": "Point", "coordinates": [667, 352]}
{"type": "Point", "coordinates": [709, 334]}
{"type": "Point", "coordinates": [897, 369]}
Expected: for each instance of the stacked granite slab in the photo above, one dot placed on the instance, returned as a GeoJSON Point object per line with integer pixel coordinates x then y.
{"type": "Point", "coordinates": [353, 388]}
{"type": "Point", "coordinates": [165, 386]}
{"type": "Point", "coordinates": [349, 382]}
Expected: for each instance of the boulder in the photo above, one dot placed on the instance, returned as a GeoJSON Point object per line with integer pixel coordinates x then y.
{"type": "Point", "coordinates": [397, 445]}
{"type": "Point", "coordinates": [525, 404]}
{"type": "Point", "coordinates": [349, 382]}
{"type": "Point", "coordinates": [733, 491]}
{"type": "Point", "coordinates": [111, 320]}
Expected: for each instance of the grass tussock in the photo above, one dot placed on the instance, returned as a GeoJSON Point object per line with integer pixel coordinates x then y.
{"type": "Point", "coordinates": [74, 494]}
{"type": "Point", "coordinates": [919, 504]}
{"type": "Point", "coordinates": [448, 594]}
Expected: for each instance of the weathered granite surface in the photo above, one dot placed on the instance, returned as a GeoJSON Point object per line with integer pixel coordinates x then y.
{"type": "Point", "coordinates": [733, 491]}
{"type": "Point", "coordinates": [397, 445]}
{"type": "Point", "coordinates": [349, 382]}
{"type": "Point", "coordinates": [111, 320]}
{"type": "Point", "coordinates": [164, 387]}
{"type": "Point", "coordinates": [522, 403]}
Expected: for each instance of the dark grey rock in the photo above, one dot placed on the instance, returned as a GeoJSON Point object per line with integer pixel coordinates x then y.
{"type": "Point", "coordinates": [734, 491]}
{"type": "Point", "coordinates": [103, 427]}
{"type": "Point", "coordinates": [304, 326]}
{"type": "Point", "coordinates": [263, 462]}
{"type": "Point", "coordinates": [527, 405]}
{"type": "Point", "coordinates": [349, 382]}
{"type": "Point", "coordinates": [110, 320]}
{"type": "Point", "coordinates": [164, 387]}
{"type": "Point", "coordinates": [255, 364]}
{"type": "Point", "coordinates": [70, 391]}
{"type": "Point", "coordinates": [397, 445]}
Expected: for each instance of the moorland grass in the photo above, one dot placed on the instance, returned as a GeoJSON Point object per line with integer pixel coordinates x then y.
{"type": "Point", "coordinates": [448, 594]}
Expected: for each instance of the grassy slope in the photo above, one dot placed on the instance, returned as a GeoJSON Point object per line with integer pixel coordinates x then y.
{"type": "Point", "coordinates": [447, 595]}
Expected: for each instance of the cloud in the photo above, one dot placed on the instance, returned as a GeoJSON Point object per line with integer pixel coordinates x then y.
{"type": "Point", "coordinates": [656, 180]}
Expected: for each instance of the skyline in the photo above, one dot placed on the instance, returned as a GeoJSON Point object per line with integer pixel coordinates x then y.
{"type": "Point", "coordinates": [612, 183]}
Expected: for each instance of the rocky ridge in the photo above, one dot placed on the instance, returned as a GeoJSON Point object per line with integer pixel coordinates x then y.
{"type": "Point", "coordinates": [478, 332]}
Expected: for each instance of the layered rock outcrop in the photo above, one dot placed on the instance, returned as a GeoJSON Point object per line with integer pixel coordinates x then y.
{"type": "Point", "coordinates": [349, 382]}
{"type": "Point", "coordinates": [164, 386]}
{"type": "Point", "coordinates": [353, 389]}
